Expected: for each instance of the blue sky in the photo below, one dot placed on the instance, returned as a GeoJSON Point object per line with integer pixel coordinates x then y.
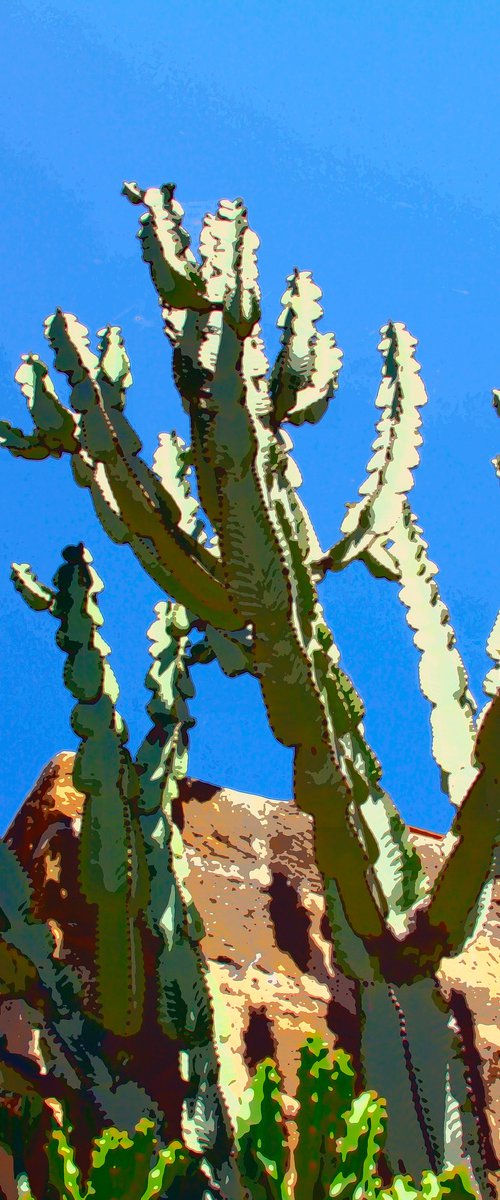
{"type": "Point", "coordinates": [364, 140]}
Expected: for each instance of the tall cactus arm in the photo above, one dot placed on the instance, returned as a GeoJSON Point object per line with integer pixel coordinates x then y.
{"type": "Point", "coordinates": [410, 1052]}
{"type": "Point", "coordinates": [476, 828]}
{"type": "Point", "coordinates": [165, 246]}
{"type": "Point", "coordinates": [184, 1008]}
{"type": "Point", "coordinates": [161, 763]}
{"type": "Point", "coordinates": [305, 374]}
{"type": "Point", "coordinates": [172, 465]}
{"type": "Point", "coordinates": [284, 481]}
{"type": "Point", "coordinates": [146, 508]}
{"type": "Point", "coordinates": [369, 523]}
{"type": "Point", "coordinates": [395, 863]}
{"type": "Point", "coordinates": [443, 678]}
{"type": "Point", "coordinates": [274, 596]}
{"type": "Point", "coordinates": [55, 426]}
{"type": "Point", "coordinates": [112, 871]}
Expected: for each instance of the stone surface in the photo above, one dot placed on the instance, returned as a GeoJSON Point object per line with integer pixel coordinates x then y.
{"type": "Point", "coordinates": [271, 965]}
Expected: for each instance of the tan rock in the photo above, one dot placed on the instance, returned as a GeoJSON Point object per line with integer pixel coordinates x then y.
{"type": "Point", "coordinates": [271, 966]}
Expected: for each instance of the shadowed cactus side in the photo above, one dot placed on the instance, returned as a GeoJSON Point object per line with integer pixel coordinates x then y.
{"type": "Point", "coordinates": [252, 592]}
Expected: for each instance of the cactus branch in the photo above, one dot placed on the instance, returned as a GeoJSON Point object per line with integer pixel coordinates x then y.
{"type": "Point", "coordinates": [443, 678]}
{"type": "Point", "coordinates": [305, 374]}
{"type": "Point", "coordinates": [369, 522]}
{"type": "Point", "coordinates": [112, 872]}
{"type": "Point", "coordinates": [458, 886]}
{"type": "Point", "coordinates": [184, 1006]}
{"type": "Point", "coordinates": [147, 509]}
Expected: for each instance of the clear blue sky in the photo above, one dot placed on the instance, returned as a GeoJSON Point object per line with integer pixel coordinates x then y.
{"type": "Point", "coordinates": [364, 139]}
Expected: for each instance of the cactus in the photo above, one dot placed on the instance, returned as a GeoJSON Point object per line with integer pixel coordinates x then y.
{"type": "Point", "coordinates": [184, 1008]}
{"type": "Point", "coordinates": [131, 858]}
{"type": "Point", "coordinates": [252, 593]}
{"type": "Point", "coordinates": [112, 870]}
{"type": "Point", "coordinates": [325, 1092]}
{"type": "Point", "coordinates": [263, 1154]}
{"type": "Point", "coordinates": [123, 1166]}
{"type": "Point", "coordinates": [341, 1135]}
{"type": "Point", "coordinates": [76, 1063]}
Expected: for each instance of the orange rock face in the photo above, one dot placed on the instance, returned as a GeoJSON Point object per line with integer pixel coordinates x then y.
{"type": "Point", "coordinates": [271, 965]}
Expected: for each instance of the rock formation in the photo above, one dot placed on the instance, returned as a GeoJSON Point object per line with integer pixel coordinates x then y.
{"type": "Point", "coordinates": [267, 945]}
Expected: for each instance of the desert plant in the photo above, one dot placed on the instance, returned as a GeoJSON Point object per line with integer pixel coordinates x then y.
{"type": "Point", "coordinates": [253, 591]}
{"type": "Point", "coordinates": [123, 1165]}
{"type": "Point", "coordinates": [131, 856]}
{"type": "Point", "coordinates": [341, 1135]}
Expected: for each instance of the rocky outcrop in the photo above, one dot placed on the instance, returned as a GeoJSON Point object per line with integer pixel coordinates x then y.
{"type": "Point", "coordinates": [271, 963]}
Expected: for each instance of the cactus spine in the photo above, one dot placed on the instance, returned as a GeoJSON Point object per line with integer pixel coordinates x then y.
{"type": "Point", "coordinates": [254, 592]}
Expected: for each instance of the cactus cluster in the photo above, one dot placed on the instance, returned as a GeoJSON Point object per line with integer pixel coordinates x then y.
{"type": "Point", "coordinates": [242, 565]}
{"type": "Point", "coordinates": [338, 1154]}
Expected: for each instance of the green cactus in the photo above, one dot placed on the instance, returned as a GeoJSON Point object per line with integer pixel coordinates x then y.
{"type": "Point", "coordinates": [123, 1166]}
{"type": "Point", "coordinates": [76, 1064]}
{"type": "Point", "coordinates": [325, 1093]}
{"type": "Point", "coordinates": [341, 1138]}
{"type": "Point", "coordinates": [112, 870]}
{"type": "Point", "coordinates": [184, 1007]}
{"type": "Point", "coordinates": [132, 860]}
{"type": "Point", "coordinates": [263, 1155]}
{"type": "Point", "coordinates": [252, 592]}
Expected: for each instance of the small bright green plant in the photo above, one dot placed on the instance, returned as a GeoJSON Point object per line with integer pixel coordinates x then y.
{"type": "Point", "coordinates": [341, 1138]}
